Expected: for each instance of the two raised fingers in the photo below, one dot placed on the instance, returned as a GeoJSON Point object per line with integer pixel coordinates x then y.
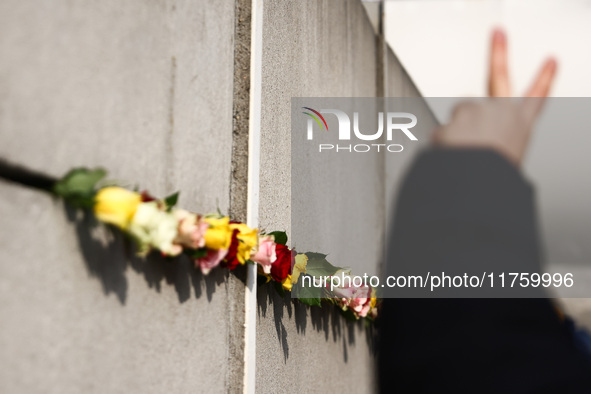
{"type": "Point", "coordinates": [499, 83]}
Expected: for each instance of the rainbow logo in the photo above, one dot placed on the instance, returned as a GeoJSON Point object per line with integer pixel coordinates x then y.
{"type": "Point", "coordinates": [315, 118]}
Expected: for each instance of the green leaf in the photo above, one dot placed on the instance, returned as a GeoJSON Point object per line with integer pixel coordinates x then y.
{"type": "Point", "coordinates": [171, 200]}
{"type": "Point", "coordinates": [308, 295]}
{"type": "Point", "coordinates": [280, 237]}
{"type": "Point", "coordinates": [196, 253]}
{"type": "Point", "coordinates": [78, 186]}
{"type": "Point", "coordinates": [79, 180]}
{"type": "Point", "coordinates": [318, 266]}
{"type": "Point", "coordinates": [311, 301]}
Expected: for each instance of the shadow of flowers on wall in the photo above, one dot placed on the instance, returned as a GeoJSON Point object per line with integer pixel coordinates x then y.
{"type": "Point", "coordinates": [290, 316]}
{"type": "Point", "coordinates": [108, 254]}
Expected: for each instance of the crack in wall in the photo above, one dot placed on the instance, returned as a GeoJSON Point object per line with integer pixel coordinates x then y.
{"type": "Point", "coordinates": [239, 189]}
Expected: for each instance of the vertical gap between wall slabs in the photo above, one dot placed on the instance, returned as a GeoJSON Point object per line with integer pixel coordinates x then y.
{"type": "Point", "coordinates": [254, 158]}
{"type": "Point", "coordinates": [381, 52]}
{"type": "Point", "coordinates": [382, 91]}
{"type": "Point", "coordinates": [238, 207]}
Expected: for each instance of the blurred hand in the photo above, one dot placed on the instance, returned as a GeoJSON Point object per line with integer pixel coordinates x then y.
{"type": "Point", "coordinates": [501, 124]}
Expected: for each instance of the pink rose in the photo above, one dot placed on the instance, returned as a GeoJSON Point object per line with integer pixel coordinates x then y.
{"type": "Point", "coordinates": [191, 231]}
{"type": "Point", "coordinates": [265, 254]}
{"type": "Point", "coordinates": [360, 305]}
{"type": "Point", "coordinates": [358, 299]}
{"type": "Point", "coordinates": [344, 292]}
{"type": "Point", "coordinates": [211, 260]}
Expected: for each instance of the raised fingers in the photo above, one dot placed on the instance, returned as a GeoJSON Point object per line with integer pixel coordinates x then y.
{"type": "Point", "coordinates": [498, 76]}
{"type": "Point", "coordinates": [535, 96]}
{"type": "Point", "coordinates": [543, 82]}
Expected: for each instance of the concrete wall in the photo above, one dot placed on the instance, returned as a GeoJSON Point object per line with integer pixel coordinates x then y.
{"type": "Point", "coordinates": [398, 84]}
{"type": "Point", "coordinates": [144, 89]}
{"type": "Point", "coordinates": [325, 49]}
{"type": "Point", "coordinates": [317, 49]}
{"type": "Point", "coordinates": [154, 92]}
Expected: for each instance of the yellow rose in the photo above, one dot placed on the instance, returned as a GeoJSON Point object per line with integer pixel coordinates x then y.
{"type": "Point", "coordinates": [299, 267]}
{"type": "Point", "coordinates": [248, 238]}
{"type": "Point", "coordinates": [219, 234]}
{"type": "Point", "coordinates": [116, 206]}
{"type": "Point", "coordinates": [286, 283]}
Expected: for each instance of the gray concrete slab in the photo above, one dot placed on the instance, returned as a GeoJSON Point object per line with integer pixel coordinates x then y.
{"type": "Point", "coordinates": [315, 49]}
{"type": "Point", "coordinates": [143, 89]}
{"type": "Point", "coordinates": [399, 85]}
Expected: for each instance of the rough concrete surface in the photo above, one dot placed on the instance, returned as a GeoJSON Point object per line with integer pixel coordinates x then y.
{"type": "Point", "coordinates": [314, 49]}
{"type": "Point", "coordinates": [143, 89]}
{"type": "Point", "coordinates": [399, 85]}
{"type": "Point", "coordinates": [242, 42]}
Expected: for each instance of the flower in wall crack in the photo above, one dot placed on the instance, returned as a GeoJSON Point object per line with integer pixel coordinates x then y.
{"type": "Point", "coordinates": [192, 229]}
{"type": "Point", "coordinates": [265, 255]}
{"type": "Point", "coordinates": [282, 266]}
{"type": "Point", "coordinates": [116, 206]}
{"type": "Point", "coordinates": [355, 298]}
{"type": "Point", "coordinates": [218, 235]}
{"type": "Point", "coordinates": [155, 228]}
{"type": "Point", "coordinates": [211, 260]}
{"type": "Point", "coordinates": [360, 305]}
{"type": "Point", "coordinates": [231, 260]}
{"type": "Point", "coordinates": [299, 267]}
{"type": "Point", "coordinates": [248, 238]}
{"type": "Point", "coordinates": [244, 241]}
{"type": "Point", "coordinates": [286, 283]}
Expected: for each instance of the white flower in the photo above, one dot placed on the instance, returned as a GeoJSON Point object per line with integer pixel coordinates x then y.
{"type": "Point", "coordinates": [155, 228]}
{"type": "Point", "coordinates": [191, 230]}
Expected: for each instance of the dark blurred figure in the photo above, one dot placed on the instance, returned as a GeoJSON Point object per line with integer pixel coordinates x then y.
{"type": "Point", "coordinates": [466, 200]}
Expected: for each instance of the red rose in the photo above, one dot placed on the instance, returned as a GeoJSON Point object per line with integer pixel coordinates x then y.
{"type": "Point", "coordinates": [146, 197]}
{"type": "Point", "coordinates": [231, 261]}
{"type": "Point", "coordinates": [282, 266]}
